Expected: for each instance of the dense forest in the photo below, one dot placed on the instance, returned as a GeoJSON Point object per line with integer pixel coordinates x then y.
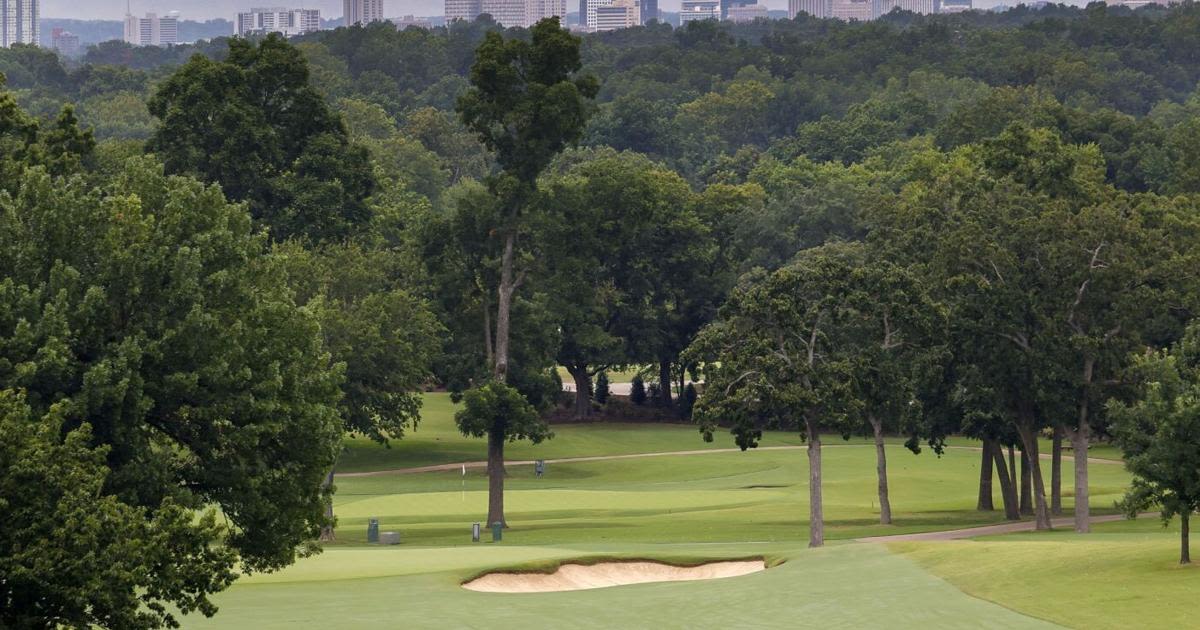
{"type": "Point", "coordinates": [920, 226]}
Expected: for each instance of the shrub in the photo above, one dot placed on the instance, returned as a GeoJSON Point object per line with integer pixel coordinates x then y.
{"type": "Point", "coordinates": [637, 392]}
{"type": "Point", "coordinates": [601, 394]}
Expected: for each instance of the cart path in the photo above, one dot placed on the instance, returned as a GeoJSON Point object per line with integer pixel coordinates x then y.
{"type": "Point", "coordinates": [991, 530]}
{"type": "Point", "coordinates": [599, 458]}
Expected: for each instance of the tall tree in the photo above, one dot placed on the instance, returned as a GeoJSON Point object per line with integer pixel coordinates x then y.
{"type": "Point", "coordinates": [781, 355]}
{"type": "Point", "coordinates": [1159, 433]}
{"type": "Point", "coordinates": [147, 311]}
{"type": "Point", "coordinates": [527, 102]}
{"type": "Point", "coordinates": [253, 124]}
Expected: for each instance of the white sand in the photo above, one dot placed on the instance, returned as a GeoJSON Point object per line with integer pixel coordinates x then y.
{"type": "Point", "coordinates": [576, 577]}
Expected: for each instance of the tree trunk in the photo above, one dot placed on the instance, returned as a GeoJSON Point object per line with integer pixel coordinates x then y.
{"type": "Point", "coordinates": [1056, 472]}
{"type": "Point", "coordinates": [1080, 440]}
{"type": "Point", "coordinates": [583, 388]}
{"type": "Point", "coordinates": [1026, 485]}
{"type": "Point", "coordinates": [984, 504]}
{"type": "Point", "coordinates": [327, 534]}
{"type": "Point", "coordinates": [495, 466]}
{"type": "Point", "coordinates": [1012, 468]}
{"type": "Point", "coordinates": [664, 383]}
{"type": "Point", "coordinates": [1185, 554]}
{"type": "Point", "coordinates": [816, 515]}
{"type": "Point", "coordinates": [500, 374]}
{"type": "Point", "coordinates": [885, 505]}
{"type": "Point", "coordinates": [1025, 428]}
{"type": "Point", "coordinates": [1008, 489]}
{"type": "Point", "coordinates": [1079, 452]}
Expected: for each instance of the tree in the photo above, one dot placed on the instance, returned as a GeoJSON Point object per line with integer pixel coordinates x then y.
{"type": "Point", "coordinates": [73, 554]}
{"type": "Point", "coordinates": [385, 337]}
{"type": "Point", "coordinates": [148, 311]}
{"type": "Point", "coordinates": [500, 413]}
{"type": "Point", "coordinates": [1159, 434]}
{"type": "Point", "coordinates": [527, 102]}
{"type": "Point", "coordinates": [890, 351]}
{"type": "Point", "coordinates": [254, 125]}
{"type": "Point", "coordinates": [637, 390]}
{"type": "Point", "coordinates": [779, 355]}
{"type": "Point", "coordinates": [602, 391]}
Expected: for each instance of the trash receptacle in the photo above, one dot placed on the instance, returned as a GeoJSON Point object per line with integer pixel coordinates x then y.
{"type": "Point", "coordinates": [373, 530]}
{"type": "Point", "coordinates": [497, 530]}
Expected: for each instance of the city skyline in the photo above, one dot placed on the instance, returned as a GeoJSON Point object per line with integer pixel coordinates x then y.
{"type": "Point", "coordinates": [202, 10]}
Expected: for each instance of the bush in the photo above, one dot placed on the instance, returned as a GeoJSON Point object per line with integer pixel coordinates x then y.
{"type": "Point", "coordinates": [601, 394]}
{"type": "Point", "coordinates": [637, 392]}
{"type": "Point", "coordinates": [689, 401]}
{"type": "Point", "coordinates": [656, 397]}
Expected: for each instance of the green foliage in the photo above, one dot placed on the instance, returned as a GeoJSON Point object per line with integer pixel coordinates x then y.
{"type": "Point", "coordinates": [602, 391]}
{"type": "Point", "coordinates": [688, 402]}
{"type": "Point", "coordinates": [498, 409]}
{"type": "Point", "coordinates": [147, 310]}
{"type": "Point", "coordinates": [255, 125]}
{"type": "Point", "coordinates": [73, 554]}
{"type": "Point", "coordinates": [1159, 432]}
{"type": "Point", "coordinates": [637, 391]}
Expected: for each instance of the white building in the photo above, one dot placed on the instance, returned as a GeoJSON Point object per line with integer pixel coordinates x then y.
{"type": "Point", "coordinates": [524, 13]}
{"type": "Point", "coordinates": [463, 9]}
{"type": "Point", "coordinates": [747, 12]}
{"type": "Point", "coordinates": [619, 14]}
{"type": "Point", "coordinates": [289, 22]}
{"type": "Point", "coordinates": [815, 8]}
{"type": "Point", "coordinates": [362, 11]}
{"type": "Point", "coordinates": [411, 20]}
{"type": "Point", "coordinates": [692, 10]}
{"type": "Point", "coordinates": [956, 6]}
{"type": "Point", "coordinates": [921, 7]}
{"type": "Point", "coordinates": [856, 10]}
{"type": "Point", "coordinates": [19, 22]}
{"type": "Point", "coordinates": [152, 30]}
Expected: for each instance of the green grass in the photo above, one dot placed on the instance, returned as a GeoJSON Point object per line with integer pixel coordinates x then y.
{"type": "Point", "coordinates": [1123, 575]}
{"type": "Point", "coordinates": [848, 586]}
{"type": "Point", "coordinates": [717, 497]}
{"type": "Point", "coordinates": [687, 508]}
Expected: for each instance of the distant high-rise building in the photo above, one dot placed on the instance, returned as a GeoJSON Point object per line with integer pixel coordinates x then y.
{"type": "Point", "coordinates": [288, 22]}
{"type": "Point", "coordinates": [65, 42]}
{"type": "Point", "coordinates": [747, 13]}
{"type": "Point", "coordinates": [956, 6]}
{"type": "Point", "coordinates": [523, 13]}
{"type": "Point", "coordinates": [921, 7]}
{"type": "Point", "coordinates": [619, 14]}
{"type": "Point", "coordinates": [463, 9]}
{"type": "Point", "coordinates": [152, 30]}
{"type": "Point", "coordinates": [19, 22]}
{"type": "Point", "coordinates": [648, 10]}
{"type": "Point", "coordinates": [409, 20]}
{"type": "Point", "coordinates": [537, 10]}
{"type": "Point", "coordinates": [693, 10]}
{"type": "Point", "coordinates": [362, 11]}
{"type": "Point", "coordinates": [815, 8]}
{"type": "Point", "coordinates": [856, 10]}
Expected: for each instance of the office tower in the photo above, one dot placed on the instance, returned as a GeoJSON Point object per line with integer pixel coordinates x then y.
{"type": "Point", "coordinates": [536, 10]}
{"type": "Point", "coordinates": [747, 13]}
{"type": "Point", "coordinates": [19, 22]}
{"type": "Point", "coordinates": [648, 10]}
{"type": "Point", "coordinates": [619, 14]}
{"type": "Point", "coordinates": [288, 22]}
{"type": "Point", "coordinates": [955, 6]}
{"type": "Point", "coordinates": [362, 11]}
{"type": "Point", "coordinates": [692, 10]}
{"type": "Point", "coordinates": [152, 30]}
{"type": "Point", "coordinates": [815, 8]}
{"type": "Point", "coordinates": [65, 42]}
{"type": "Point", "coordinates": [921, 7]}
{"type": "Point", "coordinates": [463, 9]}
{"type": "Point", "coordinates": [855, 10]}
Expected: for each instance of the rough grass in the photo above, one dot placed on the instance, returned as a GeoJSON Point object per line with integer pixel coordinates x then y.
{"type": "Point", "coordinates": [1121, 576]}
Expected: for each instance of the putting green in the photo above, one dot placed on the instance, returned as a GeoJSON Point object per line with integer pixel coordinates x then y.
{"type": "Point", "coordinates": [845, 586]}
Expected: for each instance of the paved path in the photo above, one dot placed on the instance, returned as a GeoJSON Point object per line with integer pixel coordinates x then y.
{"type": "Point", "coordinates": [599, 458]}
{"type": "Point", "coordinates": [991, 530]}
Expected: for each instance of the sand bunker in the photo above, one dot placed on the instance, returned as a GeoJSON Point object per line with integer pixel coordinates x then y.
{"type": "Point", "coordinates": [576, 577]}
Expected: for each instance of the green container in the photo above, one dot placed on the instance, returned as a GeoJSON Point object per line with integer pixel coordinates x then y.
{"type": "Point", "coordinates": [497, 531]}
